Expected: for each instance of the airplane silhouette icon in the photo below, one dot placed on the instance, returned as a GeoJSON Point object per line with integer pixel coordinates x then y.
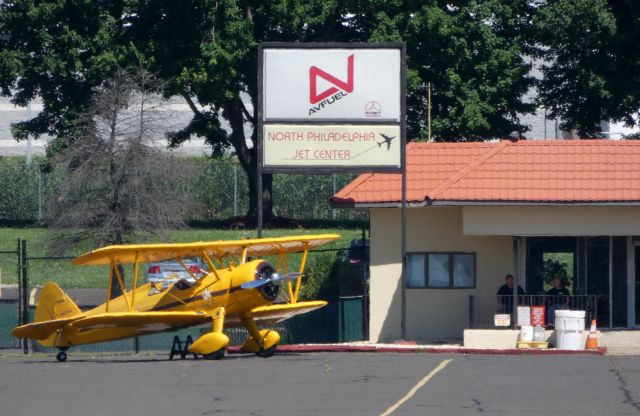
{"type": "Point", "coordinates": [387, 140]}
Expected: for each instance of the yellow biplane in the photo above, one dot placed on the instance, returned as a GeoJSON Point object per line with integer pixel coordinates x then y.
{"type": "Point", "coordinates": [244, 291]}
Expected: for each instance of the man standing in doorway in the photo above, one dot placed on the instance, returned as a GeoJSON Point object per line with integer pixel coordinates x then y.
{"type": "Point", "coordinates": [505, 295]}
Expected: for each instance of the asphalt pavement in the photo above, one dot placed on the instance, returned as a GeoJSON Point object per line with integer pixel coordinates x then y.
{"type": "Point", "coordinates": [321, 384]}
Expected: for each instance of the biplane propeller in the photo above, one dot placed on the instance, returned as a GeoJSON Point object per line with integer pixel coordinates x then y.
{"type": "Point", "coordinates": [275, 279]}
{"type": "Point", "coordinates": [242, 292]}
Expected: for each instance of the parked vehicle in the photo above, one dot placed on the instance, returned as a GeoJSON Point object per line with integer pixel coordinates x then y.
{"type": "Point", "coordinates": [168, 272]}
{"type": "Point", "coordinates": [359, 253]}
{"type": "Point", "coordinates": [356, 262]}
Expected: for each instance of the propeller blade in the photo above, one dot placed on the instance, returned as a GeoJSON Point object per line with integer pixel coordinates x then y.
{"type": "Point", "coordinates": [292, 275]}
{"type": "Point", "coordinates": [254, 284]}
{"type": "Point", "coordinates": [278, 280]}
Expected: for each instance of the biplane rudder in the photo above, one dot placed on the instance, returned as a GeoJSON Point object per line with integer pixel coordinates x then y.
{"type": "Point", "coordinates": [54, 304]}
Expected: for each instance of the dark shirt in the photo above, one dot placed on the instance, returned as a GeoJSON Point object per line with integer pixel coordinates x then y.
{"type": "Point", "coordinates": [508, 291]}
{"type": "Point", "coordinates": [505, 296]}
{"type": "Point", "coordinates": [558, 296]}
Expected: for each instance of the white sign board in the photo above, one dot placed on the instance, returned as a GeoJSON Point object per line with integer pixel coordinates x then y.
{"type": "Point", "coordinates": [312, 84]}
{"type": "Point", "coordinates": [331, 145]}
{"type": "Point", "coordinates": [524, 316]}
{"type": "Point", "coordinates": [326, 107]}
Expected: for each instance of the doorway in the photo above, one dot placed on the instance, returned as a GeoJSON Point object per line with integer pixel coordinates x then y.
{"type": "Point", "coordinates": [636, 253]}
{"type": "Point", "coordinates": [594, 265]}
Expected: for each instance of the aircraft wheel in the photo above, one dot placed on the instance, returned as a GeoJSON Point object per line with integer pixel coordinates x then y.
{"type": "Point", "coordinates": [267, 353]}
{"type": "Point", "coordinates": [62, 356]}
{"type": "Point", "coordinates": [218, 355]}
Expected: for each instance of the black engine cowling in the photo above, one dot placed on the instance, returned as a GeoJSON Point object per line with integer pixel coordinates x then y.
{"type": "Point", "coordinates": [265, 271]}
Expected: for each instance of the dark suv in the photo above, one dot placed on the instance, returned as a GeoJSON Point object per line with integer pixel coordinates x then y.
{"type": "Point", "coordinates": [359, 252]}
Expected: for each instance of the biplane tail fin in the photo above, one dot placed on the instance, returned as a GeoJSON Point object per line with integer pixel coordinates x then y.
{"type": "Point", "coordinates": [54, 304]}
{"type": "Point", "coordinates": [54, 310]}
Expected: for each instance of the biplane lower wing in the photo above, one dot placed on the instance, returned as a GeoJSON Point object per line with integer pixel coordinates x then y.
{"type": "Point", "coordinates": [280, 312]}
{"type": "Point", "coordinates": [42, 330]}
{"type": "Point", "coordinates": [150, 321]}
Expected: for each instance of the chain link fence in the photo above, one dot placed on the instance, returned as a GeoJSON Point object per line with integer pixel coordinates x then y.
{"type": "Point", "coordinates": [219, 190]}
{"type": "Point", "coordinates": [21, 192]}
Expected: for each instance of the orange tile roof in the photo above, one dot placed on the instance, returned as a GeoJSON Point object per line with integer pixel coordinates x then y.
{"type": "Point", "coordinates": [542, 171]}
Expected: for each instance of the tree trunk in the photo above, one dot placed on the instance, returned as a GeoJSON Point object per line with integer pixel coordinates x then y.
{"type": "Point", "coordinates": [248, 161]}
{"type": "Point", "coordinates": [267, 201]}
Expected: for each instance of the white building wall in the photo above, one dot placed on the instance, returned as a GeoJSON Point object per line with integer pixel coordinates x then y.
{"type": "Point", "coordinates": [432, 314]}
{"type": "Point", "coordinates": [552, 220]}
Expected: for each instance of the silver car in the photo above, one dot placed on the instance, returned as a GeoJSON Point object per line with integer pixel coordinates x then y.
{"type": "Point", "coordinates": [169, 272]}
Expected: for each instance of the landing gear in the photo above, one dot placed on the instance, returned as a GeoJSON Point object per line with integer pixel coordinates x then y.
{"type": "Point", "coordinates": [267, 353]}
{"type": "Point", "coordinates": [262, 343]}
{"type": "Point", "coordinates": [213, 345]}
{"type": "Point", "coordinates": [62, 356]}
{"type": "Point", "coordinates": [218, 355]}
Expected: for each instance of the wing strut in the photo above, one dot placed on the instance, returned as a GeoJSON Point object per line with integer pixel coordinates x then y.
{"type": "Point", "coordinates": [120, 282]}
{"type": "Point", "coordinates": [135, 282]}
{"type": "Point", "coordinates": [193, 276]}
{"type": "Point", "coordinates": [243, 257]}
{"type": "Point", "coordinates": [210, 263]}
{"type": "Point", "coordinates": [303, 263]}
{"type": "Point", "coordinates": [109, 289]}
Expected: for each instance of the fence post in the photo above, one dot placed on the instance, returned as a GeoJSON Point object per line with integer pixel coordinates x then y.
{"type": "Point", "coordinates": [333, 210]}
{"type": "Point", "coordinates": [25, 294]}
{"type": "Point", "coordinates": [39, 194]}
{"type": "Point", "coordinates": [19, 254]}
{"type": "Point", "coordinates": [235, 189]}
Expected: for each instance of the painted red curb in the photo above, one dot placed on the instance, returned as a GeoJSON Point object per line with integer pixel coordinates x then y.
{"type": "Point", "coordinates": [370, 348]}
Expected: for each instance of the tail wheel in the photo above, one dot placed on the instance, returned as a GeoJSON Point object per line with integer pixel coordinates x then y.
{"type": "Point", "coordinates": [62, 356]}
{"type": "Point", "coordinates": [218, 355]}
{"type": "Point", "coordinates": [267, 353]}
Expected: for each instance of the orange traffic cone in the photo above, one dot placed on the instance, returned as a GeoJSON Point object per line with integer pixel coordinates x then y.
{"type": "Point", "coordinates": [592, 339]}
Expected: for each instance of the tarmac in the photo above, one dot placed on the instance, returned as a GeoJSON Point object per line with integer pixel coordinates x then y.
{"type": "Point", "coordinates": [320, 384]}
{"type": "Point", "coordinates": [365, 347]}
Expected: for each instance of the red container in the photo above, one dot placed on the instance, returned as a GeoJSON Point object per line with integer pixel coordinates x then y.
{"type": "Point", "coordinates": [537, 316]}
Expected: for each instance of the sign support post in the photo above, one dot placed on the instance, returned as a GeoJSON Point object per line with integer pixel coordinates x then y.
{"type": "Point", "coordinates": [333, 108]}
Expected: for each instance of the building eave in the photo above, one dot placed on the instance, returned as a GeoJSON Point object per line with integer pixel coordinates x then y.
{"type": "Point", "coordinates": [426, 203]}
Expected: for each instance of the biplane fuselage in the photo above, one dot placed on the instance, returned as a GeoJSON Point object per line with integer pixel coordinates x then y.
{"type": "Point", "coordinates": [206, 294]}
{"type": "Point", "coordinates": [223, 296]}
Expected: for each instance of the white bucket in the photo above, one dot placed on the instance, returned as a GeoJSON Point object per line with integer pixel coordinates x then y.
{"type": "Point", "coordinates": [569, 327]}
{"type": "Point", "coordinates": [526, 333]}
{"type": "Point", "coordinates": [538, 333]}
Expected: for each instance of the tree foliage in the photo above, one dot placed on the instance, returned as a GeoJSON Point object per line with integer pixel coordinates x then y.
{"type": "Point", "coordinates": [592, 70]}
{"type": "Point", "coordinates": [470, 51]}
{"type": "Point", "coordinates": [59, 51]}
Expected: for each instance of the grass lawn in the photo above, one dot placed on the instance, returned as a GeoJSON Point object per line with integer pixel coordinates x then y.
{"type": "Point", "coordinates": [69, 276]}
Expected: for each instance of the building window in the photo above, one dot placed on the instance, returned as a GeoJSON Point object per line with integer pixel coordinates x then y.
{"type": "Point", "coordinates": [441, 270]}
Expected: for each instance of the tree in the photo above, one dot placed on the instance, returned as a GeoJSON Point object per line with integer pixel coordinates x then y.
{"type": "Point", "coordinates": [591, 71]}
{"type": "Point", "coordinates": [58, 51]}
{"type": "Point", "coordinates": [471, 52]}
{"type": "Point", "coordinates": [115, 181]}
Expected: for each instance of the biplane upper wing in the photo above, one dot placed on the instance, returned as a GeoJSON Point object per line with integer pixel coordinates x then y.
{"type": "Point", "coordinates": [155, 321]}
{"type": "Point", "coordinates": [148, 253]}
{"type": "Point", "coordinates": [42, 330]}
{"type": "Point", "coordinates": [280, 312]}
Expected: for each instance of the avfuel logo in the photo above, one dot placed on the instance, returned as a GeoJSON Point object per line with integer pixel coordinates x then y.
{"type": "Point", "coordinates": [338, 90]}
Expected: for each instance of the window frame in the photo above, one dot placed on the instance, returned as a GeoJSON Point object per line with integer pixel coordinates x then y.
{"type": "Point", "coordinates": [451, 255]}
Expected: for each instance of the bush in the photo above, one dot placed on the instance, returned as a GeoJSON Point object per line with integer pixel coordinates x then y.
{"type": "Point", "coordinates": [328, 276]}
